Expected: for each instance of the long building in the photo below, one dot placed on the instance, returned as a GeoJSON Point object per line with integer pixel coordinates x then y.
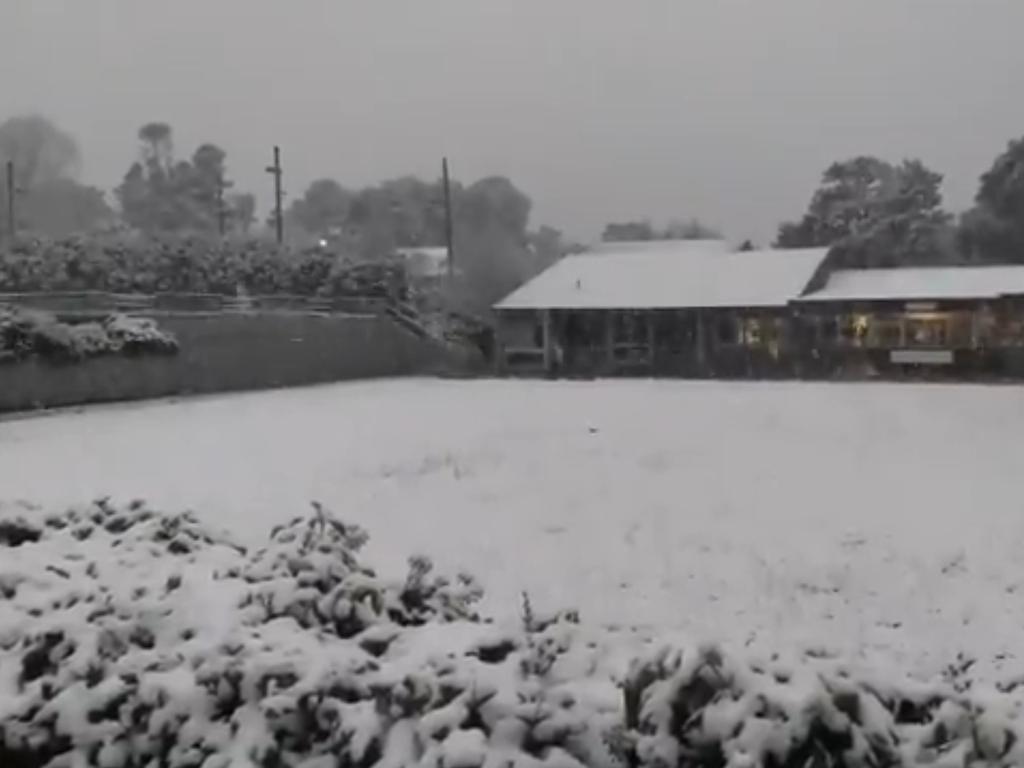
{"type": "Point", "coordinates": [697, 308]}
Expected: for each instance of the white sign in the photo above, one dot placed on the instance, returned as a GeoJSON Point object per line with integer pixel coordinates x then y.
{"type": "Point", "coordinates": [922, 356]}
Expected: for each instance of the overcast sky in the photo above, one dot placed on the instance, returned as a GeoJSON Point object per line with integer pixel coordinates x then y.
{"type": "Point", "coordinates": [598, 109]}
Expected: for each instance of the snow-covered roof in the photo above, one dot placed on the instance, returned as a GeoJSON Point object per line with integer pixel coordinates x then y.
{"type": "Point", "coordinates": [669, 275]}
{"type": "Point", "coordinates": [921, 283]}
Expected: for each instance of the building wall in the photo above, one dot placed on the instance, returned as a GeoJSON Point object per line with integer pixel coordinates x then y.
{"type": "Point", "coordinates": [222, 352]}
{"type": "Point", "coordinates": [780, 343]}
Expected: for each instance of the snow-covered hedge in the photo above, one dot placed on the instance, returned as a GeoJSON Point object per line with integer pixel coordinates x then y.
{"type": "Point", "coordinates": [29, 333]}
{"type": "Point", "coordinates": [708, 709]}
{"type": "Point", "coordinates": [131, 639]}
{"type": "Point", "coordinates": [189, 264]}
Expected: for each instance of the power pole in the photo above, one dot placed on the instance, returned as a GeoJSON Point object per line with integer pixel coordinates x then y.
{"type": "Point", "coordinates": [12, 224]}
{"type": "Point", "coordinates": [449, 227]}
{"type": "Point", "coordinates": [275, 171]}
{"type": "Point", "coordinates": [221, 212]}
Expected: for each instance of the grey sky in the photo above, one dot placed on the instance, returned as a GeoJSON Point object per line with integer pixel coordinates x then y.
{"type": "Point", "coordinates": [723, 109]}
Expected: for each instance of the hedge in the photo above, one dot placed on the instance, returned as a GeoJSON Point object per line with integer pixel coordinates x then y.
{"type": "Point", "coordinates": [150, 265]}
{"type": "Point", "coordinates": [131, 638]}
{"type": "Point", "coordinates": [29, 333]}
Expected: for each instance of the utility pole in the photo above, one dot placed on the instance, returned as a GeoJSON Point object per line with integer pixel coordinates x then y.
{"type": "Point", "coordinates": [275, 171]}
{"type": "Point", "coordinates": [12, 224]}
{"type": "Point", "coordinates": [449, 227]}
{"type": "Point", "coordinates": [221, 212]}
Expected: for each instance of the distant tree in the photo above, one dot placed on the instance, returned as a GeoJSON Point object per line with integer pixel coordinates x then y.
{"type": "Point", "coordinates": [800, 234]}
{"type": "Point", "coordinates": [1002, 186]}
{"type": "Point", "coordinates": [993, 230]}
{"type": "Point", "coordinates": [493, 252]}
{"type": "Point", "coordinates": [208, 164]}
{"type": "Point", "coordinates": [63, 207]}
{"type": "Point", "coordinates": [136, 199]}
{"type": "Point", "coordinates": [547, 245]}
{"type": "Point", "coordinates": [46, 161]}
{"type": "Point", "coordinates": [628, 231]}
{"type": "Point", "coordinates": [875, 214]}
{"type": "Point", "coordinates": [496, 201]}
{"type": "Point", "coordinates": [323, 207]}
{"type": "Point", "coordinates": [242, 208]}
{"type": "Point", "coordinates": [690, 229]}
{"type": "Point", "coordinates": [642, 231]}
{"type": "Point", "coordinates": [415, 211]}
{"type": "Point", "coordinates": [747, 245]}
{"type": "Point", "coordinates": [41, 152]}
{"type": "Point", "coordinates": [849, 197]}
{"type": "Point", "coordinates": [157, 144]}
{"type": "Point", "coordinates": [160, 194]}
{"type": "Point", "coordinates": [146, 194]}
{"type": "Point", "coordinates": [204, 185]}
{"type": "Point", "coordinates": [372, 223]}
{"type": "Point", "coordinates": [399, 213]}
{"type": "Point", "coordinates": [494, 249]}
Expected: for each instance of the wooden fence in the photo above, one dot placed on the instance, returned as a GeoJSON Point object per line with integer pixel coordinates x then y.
{"type": "Point", "coordinates": [85, 302]}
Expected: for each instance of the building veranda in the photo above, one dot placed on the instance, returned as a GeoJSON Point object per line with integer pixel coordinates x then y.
{"type": "Point", "coordinates": [699, 309]}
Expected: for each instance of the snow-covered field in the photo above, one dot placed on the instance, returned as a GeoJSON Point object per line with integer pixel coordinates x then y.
{"type": "Point", "coordinates": [877, 520]}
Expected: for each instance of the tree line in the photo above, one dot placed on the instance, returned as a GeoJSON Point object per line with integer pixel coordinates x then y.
{"type": "Point", "coordinates": [643, 231]}
{"type": "Point", "coordinates": [871, 212]}
{"type": "Point", "coordinates": [163, 193]}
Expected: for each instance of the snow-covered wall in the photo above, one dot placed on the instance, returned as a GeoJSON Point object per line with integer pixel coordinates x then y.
{"type": "Point", "coordinates": [226, 352]}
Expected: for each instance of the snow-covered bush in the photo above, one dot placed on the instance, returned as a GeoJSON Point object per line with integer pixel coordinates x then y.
{"type": "Point", "coordinates": [310, 572]}
{"type": "Point", "coordinates": [188, 264]}
{"type": "Point", "coordinates": [138, 336]}
{"type": "Point", "coordinates": [130, 638]}
{"type": "Point", "coordinates": [28, 333]}
{"type": "Point", "coordinates": [134, 639]}
{"type": "Point", "coordinates": [90, 339]}
{"type": "Point", "coordinates": [24, 333]}
{"type": "Point", "coordinates": [706, 708]}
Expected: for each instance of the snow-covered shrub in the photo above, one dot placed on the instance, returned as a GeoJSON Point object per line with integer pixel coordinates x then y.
{"type": "Point", "coordinates": [28, 333]}
{"type": "Point", "coordinates": [130, 638]}
{"type": "Point", "coordinates": [24, 333]}
{"type": "Point", "coordinates": [139, 336]}
{"type": "Point", "coordinates": [189, 264]}
{"type": "Point", "coordinates": [706, 708]}
{"type": "Point", "coordinates": [91, 339]}
{"type": "Point", "coordinates": [310, 572]}
{"type": "Point", "coordinates": [9, 350]}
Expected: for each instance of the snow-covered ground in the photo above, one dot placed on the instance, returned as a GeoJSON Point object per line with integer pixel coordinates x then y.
{"type": "Point", "coordinates": [868, 518]}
